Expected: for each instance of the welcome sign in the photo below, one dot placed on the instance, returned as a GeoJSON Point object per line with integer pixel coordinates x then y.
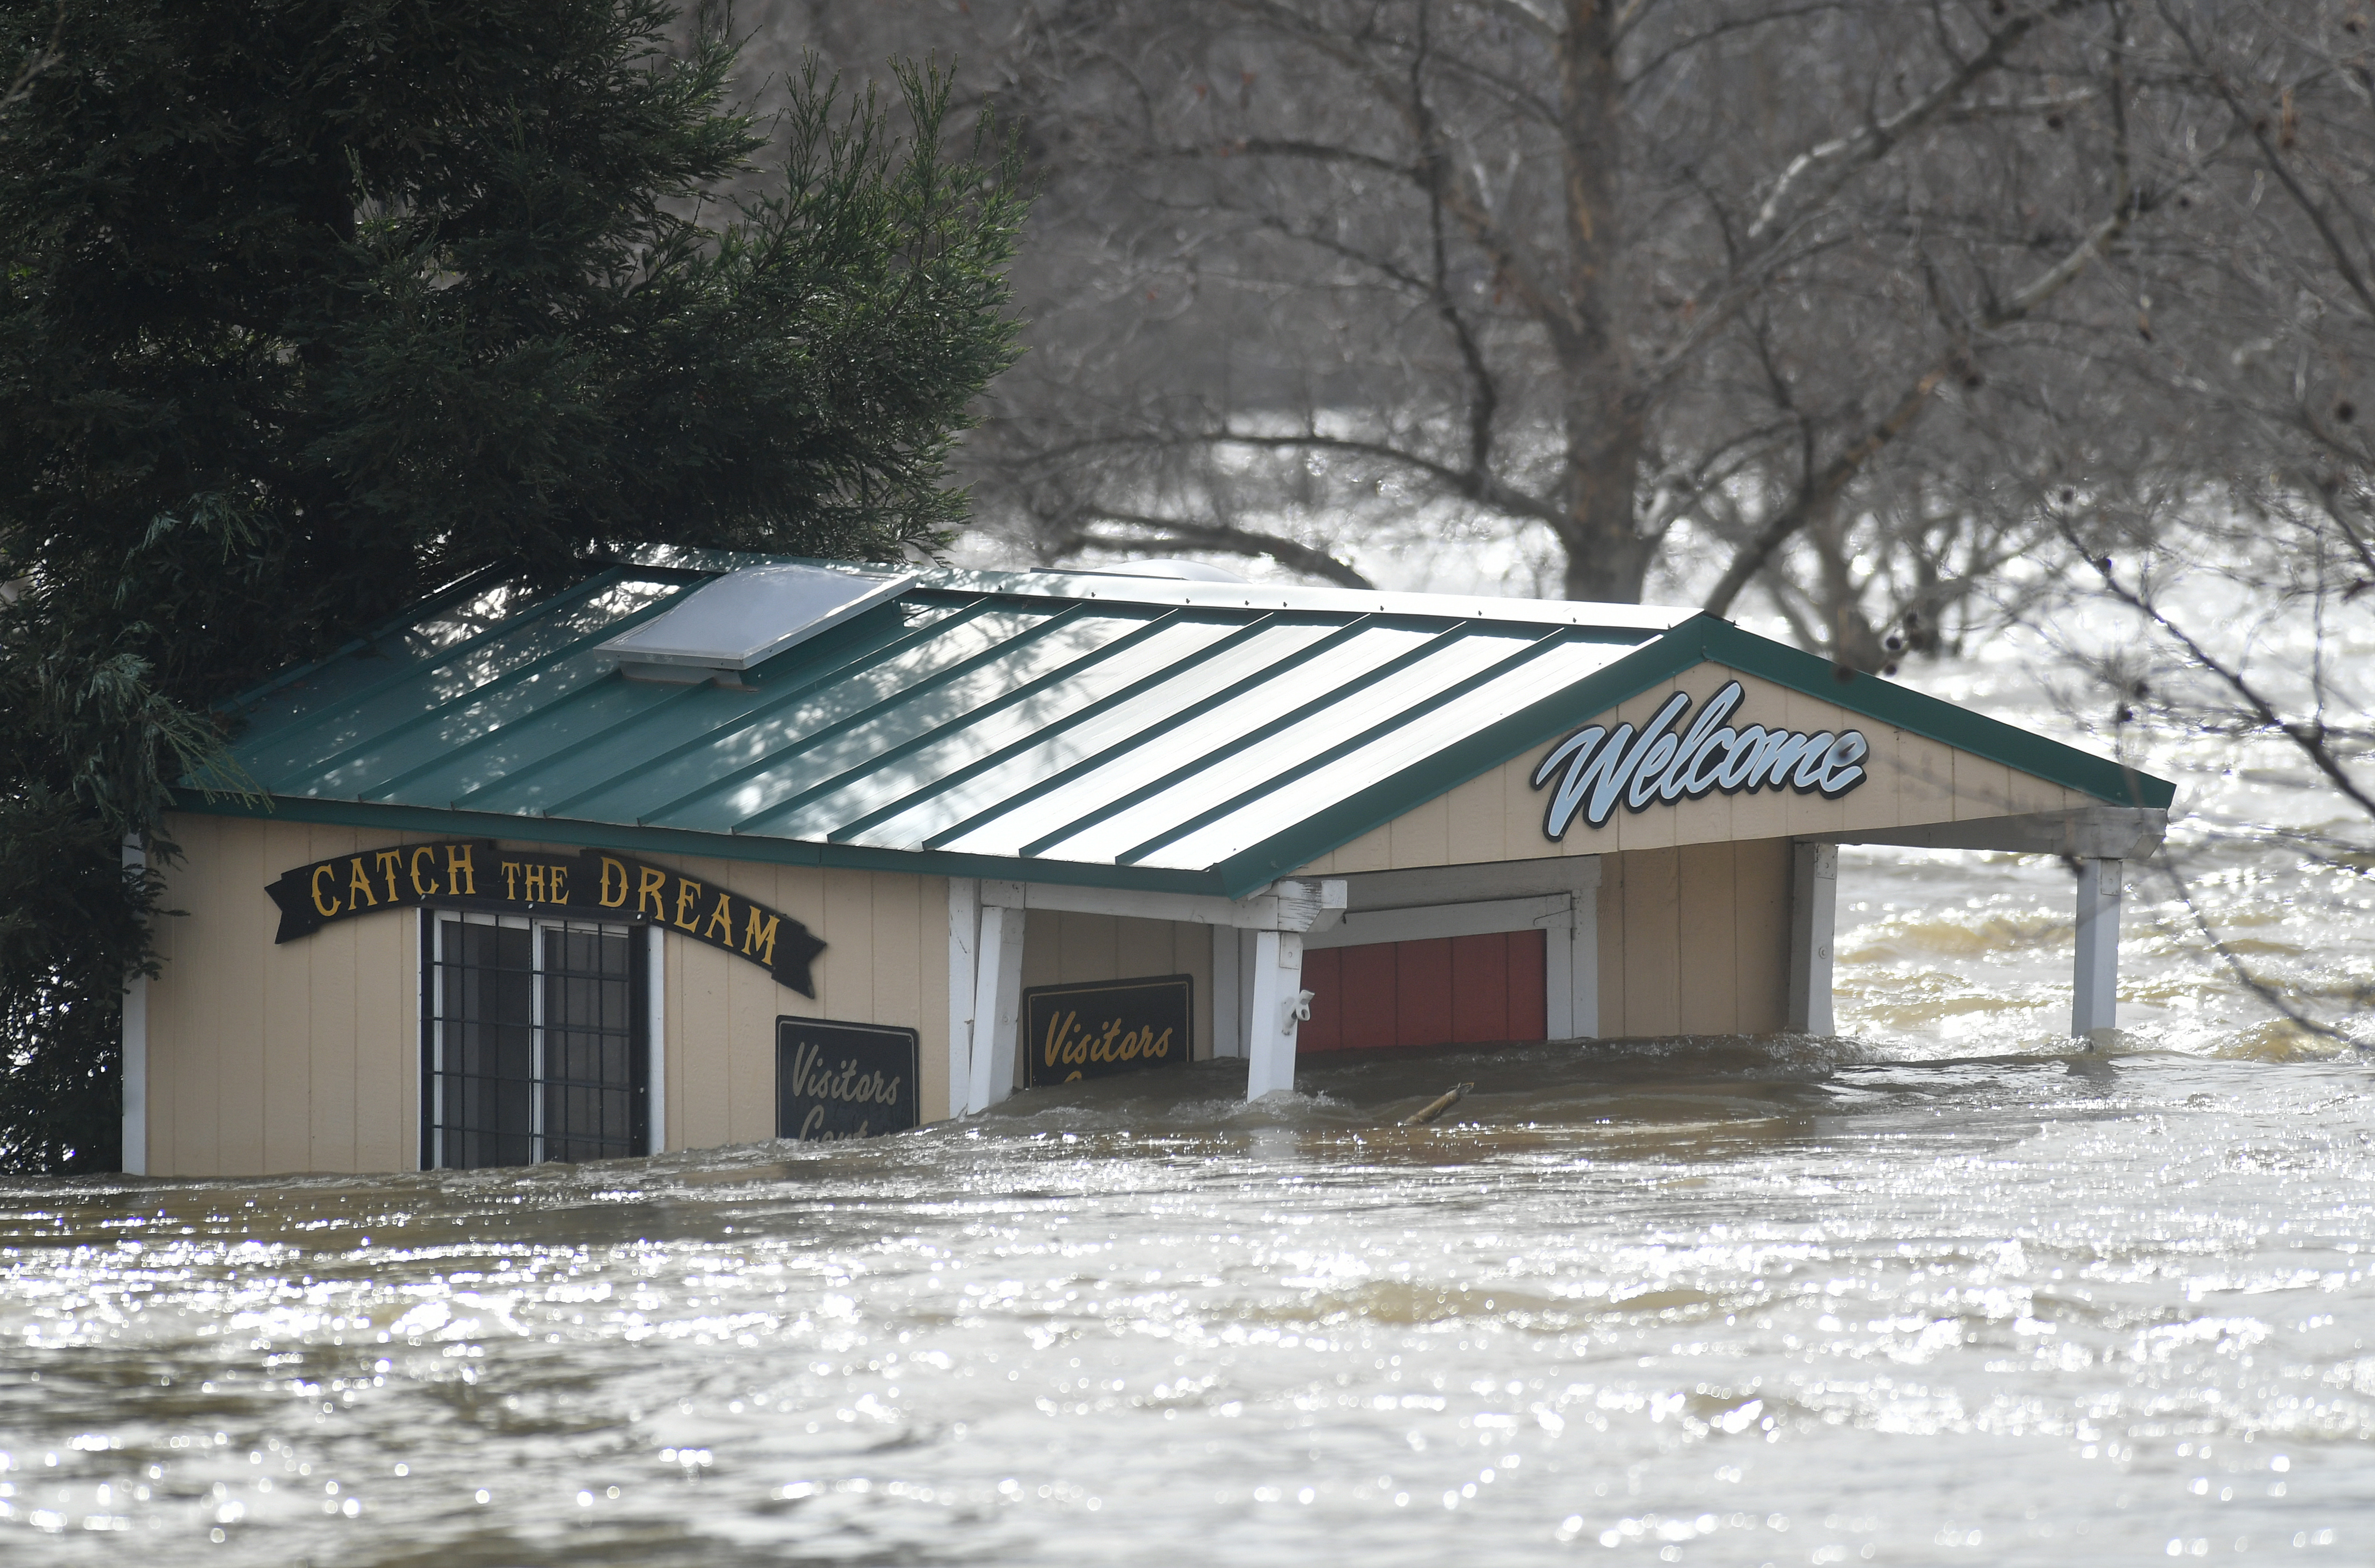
{"type": "Point", "coordinates": [477, 873]}
{"type": "Point", "coordinates": [1103, 1027]}
{"type": "Point", "coordinates": [1598, 767]}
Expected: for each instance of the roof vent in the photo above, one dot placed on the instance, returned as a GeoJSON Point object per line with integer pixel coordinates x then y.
{"type": "Point", "coordinates": [734, 622]}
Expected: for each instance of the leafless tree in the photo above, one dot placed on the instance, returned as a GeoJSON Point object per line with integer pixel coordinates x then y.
{"type": "Point", "coordinates": [1750, 288]}
{"type": "Point", "coordinates": [2224, 498]}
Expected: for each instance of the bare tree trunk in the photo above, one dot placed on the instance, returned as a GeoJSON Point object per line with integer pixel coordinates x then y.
{"type": "Point", "coordinates": [1606, 556]}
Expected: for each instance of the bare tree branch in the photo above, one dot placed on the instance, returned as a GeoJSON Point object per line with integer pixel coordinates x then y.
{"type": "Point", "coordinates": [1176, 534]}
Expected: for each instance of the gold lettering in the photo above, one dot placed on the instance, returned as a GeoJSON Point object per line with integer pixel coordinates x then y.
{"type": "Point", "coordinates": [511, 879]}
{"type": "Point", "coordinates": [461, 877]}
{"type": "Point", "coordinates": [387, 861]}
{"type": "Point", "coordinates": [332, 907]}
{"type": "Point", "coordinates": [359, 883]}
{"type": "Point", "coordinates": [761, 940]}
{"type": "Point", "coordinates": [609, 866]}
{"type": "Point", "coordinates": [1162, 1047]}
{"type": "Point", "coordinates": [560, 884]}
{"type": "Point", "coordinates": [649, 889]}
{"type": "Point", "coordinates": [721, 918]}
{"type": "Point", "coordinates": [1055, 1031]}
{"type": "Point", "coordinates": [535, 878]}
{"type": "Point", "coordinates": [428, 889]}
{"type": "Point", "coordinates": [687, 892]}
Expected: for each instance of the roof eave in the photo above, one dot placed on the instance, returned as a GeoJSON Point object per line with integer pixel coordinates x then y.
{"type": "Point", "coordinates": [1703, 639]}
{"type": "Point", "coordinates": [449, 823]}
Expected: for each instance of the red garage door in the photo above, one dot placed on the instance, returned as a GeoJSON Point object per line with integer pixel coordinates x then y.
{"type": "Point", "coordinates": [1452, 991]}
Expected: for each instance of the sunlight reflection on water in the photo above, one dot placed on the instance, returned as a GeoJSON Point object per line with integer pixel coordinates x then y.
{"type": "Point", "coordinates": [1749, 1302]}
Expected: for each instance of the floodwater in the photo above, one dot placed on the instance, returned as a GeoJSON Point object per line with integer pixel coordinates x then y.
{"type": "Point", "coordinates": [1942, 1290]}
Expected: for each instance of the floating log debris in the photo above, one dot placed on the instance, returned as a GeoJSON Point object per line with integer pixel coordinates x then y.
{"type": "Point", "coordinates": [1438, 1106]}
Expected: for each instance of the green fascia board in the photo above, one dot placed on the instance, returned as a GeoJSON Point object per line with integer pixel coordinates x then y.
{"type": "Point", "coordinates": [755, 847]}
{"type": "Point", "coordinates": [1702, 640]}
{"type": "Point", "coordinates": [2113, 784]}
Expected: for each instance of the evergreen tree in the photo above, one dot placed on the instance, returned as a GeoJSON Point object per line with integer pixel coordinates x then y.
{"type": "Point", "coordinates": [309, 307]}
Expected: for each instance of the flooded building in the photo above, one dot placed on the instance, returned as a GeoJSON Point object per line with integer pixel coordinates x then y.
{"type": "Point", "coordinates": [711, 848]}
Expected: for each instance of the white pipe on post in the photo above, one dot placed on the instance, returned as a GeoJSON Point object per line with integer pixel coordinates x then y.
{"type": "Point", "coordinates": [997, 1006]}
{"type": "Point", "coordinates": [1813, 915]}
{"type": "Point", "coordinates": [2095, 992]}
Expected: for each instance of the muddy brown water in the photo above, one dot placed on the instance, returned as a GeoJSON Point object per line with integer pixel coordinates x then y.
{"type": "Point", "coordinates": [1716, 1302]}
{"type": "Point", "coordinates": [1940, 1290]}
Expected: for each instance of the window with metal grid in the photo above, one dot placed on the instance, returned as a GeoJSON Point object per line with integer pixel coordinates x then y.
{"type": "Point", "coordinates": [534, 1041]}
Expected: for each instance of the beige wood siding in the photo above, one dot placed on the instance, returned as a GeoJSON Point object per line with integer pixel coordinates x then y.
{"type": "Point", "coordinates": [307, 1057]}
{"type": "Point", "coordinates": [1695, 939]}
{"type": "Point", "coordinates": [1498, 816]}
{"type": "Point", "coordinates": [886, 960]}
{"type": "Point", "coordinates": [1060, 947]}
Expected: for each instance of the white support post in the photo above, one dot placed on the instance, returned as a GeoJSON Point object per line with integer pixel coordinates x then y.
{"type": "Point", "coordinates": [997, 1006]}
{"type": "Point", "coordinates": [655, 1034]}
{"type": "Point", "coordinates": [965, 941]}
{"type": "Point", "coordinates": [1571, 970]}
{"type": "Point", "coordinates": [1586, 958]}
{"type": "Point", "coordinates": [1558, 979]}
{"type": "Point", "coordinates": [136, 1048]}
{"type": "Point", "coordinates": [1280, 1006]}
{"type": "Point", "coordinates": [1228, 991]}
{"type": "Point", "coordinates": [1243, 999]}
{"type": "Point", "coordinates": [1813, 912]}
{"type": "Point", "coordinates": [1583, 957]}
{"type": "Point", "coordinates": [2094, 996]}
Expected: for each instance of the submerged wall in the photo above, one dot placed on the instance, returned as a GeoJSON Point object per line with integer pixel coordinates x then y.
{"type": "Point", "coordinates": [306, 1056]}
{"type": "Point", "coordinates": [1060, 947]}
{"type": "Point", "coordinates": [1695, 939]}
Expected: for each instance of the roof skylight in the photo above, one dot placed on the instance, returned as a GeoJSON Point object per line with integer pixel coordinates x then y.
{"type": "Point", "coordinates": [746, 618]}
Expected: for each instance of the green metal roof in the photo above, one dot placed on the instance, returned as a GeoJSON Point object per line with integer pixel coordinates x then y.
{"type": "Point", "coordinates": [1055, 726]}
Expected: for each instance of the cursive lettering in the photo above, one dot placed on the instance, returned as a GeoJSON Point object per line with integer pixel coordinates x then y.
{"type": "Point", "coordinates": [1596, 767]}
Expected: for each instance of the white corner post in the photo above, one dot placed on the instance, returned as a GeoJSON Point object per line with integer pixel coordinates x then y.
{"type": "Point", "coordinates": [2094, 996]}
{"type": "Point", "coordinates": [1280, 1007]}
{"type": "Point", "coordinates": [655, 1034]}
{"type": "Point", "coordinates": [1571, 966]}
{"type": "Point", "coordinates": [965, 941]}
{"type": "Point", "coordinates": [1230, 964]}
{"type": "Point", "coordinates": [997, 1006]}
{"type": "Point", "coordinates": [1277, 1005]}
{"type": "Point", "coordinates": [1814, 913]}
{"type": "Point", "coordinates": [134, 1065]}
